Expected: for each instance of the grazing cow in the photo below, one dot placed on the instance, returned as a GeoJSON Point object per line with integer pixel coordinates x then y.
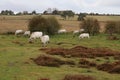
{"type": "Point", "coordinates": [45, 39]}
{"type": "Point", "coordinates": [84, 35]}
{"type": "Point", "coordinates": [17, 32]}
{"type": "Point", "coordinates": [62, 31]}
{"type": "Point", "coordinates": [35, 35]}
{"type": "Point", "coordinates": [82, 30]}
{"type": "Point", "coordinates": [26, 33]}
{"type": "Point", "coordinates": [76, 32]}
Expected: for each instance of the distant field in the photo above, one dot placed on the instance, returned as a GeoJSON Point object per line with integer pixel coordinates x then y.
{"type": "Point", "coordinates": [11, 23]}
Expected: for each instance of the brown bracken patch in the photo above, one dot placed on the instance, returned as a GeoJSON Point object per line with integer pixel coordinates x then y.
{"type": "Point", "coordinates": [80, 51]}
{"type": "Point", "coordinates": [49, 61]}
{"type": "Point", "coordinates": [78, 77]}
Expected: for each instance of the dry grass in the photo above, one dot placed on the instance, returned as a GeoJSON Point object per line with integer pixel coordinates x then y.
{"type": "Point", "coordinates": [11, 23]}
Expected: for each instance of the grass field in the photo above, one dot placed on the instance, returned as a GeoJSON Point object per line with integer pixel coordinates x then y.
{"type": "Point", "coordinates": [12, 23]}
{"type": "Point", "coordinates": [15, 54]}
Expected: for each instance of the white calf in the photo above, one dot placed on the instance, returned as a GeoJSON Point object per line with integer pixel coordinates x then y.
{"type": "Point", "coordinates": [76, 32]}
{"type": "Point", "coordinates": [18, 32]}
{"type": "Point", "coordinates": [81, 30]}
{"type": "Point", "coordinates": [35, 35]}
{"type": "Point", "coordinates": [62, 31]}
{"type": "Point", "coordinates": [84, 35]}
{"type": "Point", "coordinates": [26, 33]}
{"type": "Point", "coordinates": [45, 39]}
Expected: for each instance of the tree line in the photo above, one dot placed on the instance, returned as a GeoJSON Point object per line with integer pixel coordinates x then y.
{"type": "Point", "coordinates": [66, 14]}
{"type": "Point", "coordinates": [10, 12]}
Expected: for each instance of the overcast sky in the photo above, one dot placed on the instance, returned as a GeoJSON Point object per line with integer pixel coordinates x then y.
{"type": "Point", "coordinates": [96, 6]}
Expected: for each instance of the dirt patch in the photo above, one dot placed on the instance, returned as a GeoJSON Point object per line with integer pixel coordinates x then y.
{"type": "Point", "coordinates": [105, 67]}
{"type": "Point", "coordinates": [44, 60]}
{"type": "Point", "coordinates": [115, 69]}
{"type": "Point", "coordinates": [44, 79]}
{"type": "Point", "coordinates": [19, 43]}
{"type": "Point", "coordinates": [83, 63]}
{"type": "Point", "coordinates": [113, 38]}
{"type": "Point", "coordinates": [110, 67]}
{"type": "Point", "coordinates": [80, 51]}
{"type": "Point", "coordinates": [78, 77]}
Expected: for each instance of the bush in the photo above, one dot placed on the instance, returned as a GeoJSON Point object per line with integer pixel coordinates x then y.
{"type": "Point", "coordinates": [53, 25]}
{"type": "Point", "coordinates": [91, 26]}
{"type": "Point", "coordinates": [118, 27]}
{"type": "Point", "coordinates": [110, 28]}
{"type": "Point", "coordinates": [46, 25]}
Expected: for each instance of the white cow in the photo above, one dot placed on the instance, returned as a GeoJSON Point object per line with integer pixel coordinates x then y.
{"type": "Point", "coordinates": [62, 31]}
{"type": "Point", "coordinates": [19, 32]}
{"type": "Point", "coordinates": [81, 30]}
{"type": "Point", "coordinates": [76, 32]}
{"type": "Point", "coordinates": [45, 39]}
{"type": "Point", "coordinates": [35, 35]}
{"type": "Point", "coordinates": [26, 33]}
{"type": "Point", "coordinates": [84, 35]}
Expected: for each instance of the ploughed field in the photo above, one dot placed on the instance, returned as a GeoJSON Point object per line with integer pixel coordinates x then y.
{"type": "Point", "coordinates": [64, 58]}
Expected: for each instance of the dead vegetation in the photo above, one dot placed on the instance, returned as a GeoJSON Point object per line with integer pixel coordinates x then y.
{"type": "Point", "coordinates": [83, 63]}
{"type": "Point", "coordinates": [84, 52]}
{"type": "Point", "coordinates": [78, 77]}
{"type": "Point", "coordinates": [49, 61]}
{"type": "Point", "coordinates": [80, 51]}
{"type": "Point", "coordinates": [110, 67]}
{"type": "Point", "coordinates": [113, 38]}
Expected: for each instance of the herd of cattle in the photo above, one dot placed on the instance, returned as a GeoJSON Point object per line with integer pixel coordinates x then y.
{"type": "Point", "coordinates": [45, 38]}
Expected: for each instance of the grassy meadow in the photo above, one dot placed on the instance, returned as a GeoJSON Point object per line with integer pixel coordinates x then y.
{"type": "Point", "coordinates": [15, 54]}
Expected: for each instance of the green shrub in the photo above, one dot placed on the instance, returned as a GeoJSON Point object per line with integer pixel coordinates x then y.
{"type": "Point", "coordinates": [91, 26]}
{"type": "Point", "coordinates": [110, 27]}
{"type": "Point", "coordinates": [46, 25]}
{"type": "Point", "coordinates": [53, 25]}
{"type": "Point", "coordinates": [117, 27]}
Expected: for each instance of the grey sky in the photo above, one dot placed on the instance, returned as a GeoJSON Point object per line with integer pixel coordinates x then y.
{"type": "Point", "coordinates": [97, 6]}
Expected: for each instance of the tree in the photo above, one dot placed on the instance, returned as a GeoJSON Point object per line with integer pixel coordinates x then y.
{"type": "Point", "coordinates": [64, 14]}
{"type": "Point", "coordinates": [45, 12]}
{"type": "Point", "coordinates": [81, 16]}
{"type": "Point", "coordinates": [91, 26]}
{"type": "Point", "coordinates": [25, 13]}
{"type": "Point", "coordinates": [68, 14]}
{"type": "Point", "coordinates": [33, 12]}
{"type": "Point", "coordinates": [19, 13]}
{"type": "Point", "coordinates": [7, 12]}
{"type": "Point", "coordinates": [46, 25]}
{"type": "Point", "coordinates": [55, 12]}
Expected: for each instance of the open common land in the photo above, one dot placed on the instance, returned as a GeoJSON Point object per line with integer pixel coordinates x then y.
{"type": "Point", "coordinates": [17, 56]}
